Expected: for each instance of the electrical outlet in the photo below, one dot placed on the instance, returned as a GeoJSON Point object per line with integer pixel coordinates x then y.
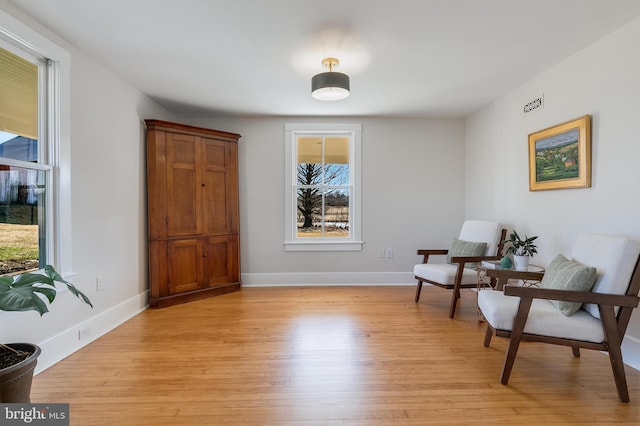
{"type": "Point", "coordinates": [389, 252]}
{"type": "Point", "coordinates": [99, 283]}
{"type": "Point", "coordinates": [83, 332]}
{"type": "Point", "coordinates": [380, 253]}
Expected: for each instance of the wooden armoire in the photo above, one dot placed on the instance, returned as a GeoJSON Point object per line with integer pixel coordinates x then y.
{"type": "Point", "coordinates": [192, 201]}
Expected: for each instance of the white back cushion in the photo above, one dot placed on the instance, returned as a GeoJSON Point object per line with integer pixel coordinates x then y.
{"type": "Point", "coordinates": [614, 258]}
{"type": "Point", "coordinates": [482, 231]}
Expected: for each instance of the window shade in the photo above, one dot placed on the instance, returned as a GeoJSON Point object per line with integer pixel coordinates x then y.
{"type": "Point", "coordinates": [18, 95]}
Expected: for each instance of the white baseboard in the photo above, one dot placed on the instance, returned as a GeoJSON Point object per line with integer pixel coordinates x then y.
{"type": "Point", "coordinates": [67, 342]}
{"type": "Point", "coordinates": [327, 279]}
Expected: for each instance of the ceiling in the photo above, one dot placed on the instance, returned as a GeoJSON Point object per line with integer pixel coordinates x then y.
{"type": "Point", "coordinates": [444, 58]}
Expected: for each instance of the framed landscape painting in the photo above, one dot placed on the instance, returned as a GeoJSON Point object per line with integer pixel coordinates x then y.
{"type": "Point", "coordinates": [560, 156]}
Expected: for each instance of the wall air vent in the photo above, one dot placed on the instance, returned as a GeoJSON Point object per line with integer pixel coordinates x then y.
{"type": "Point", "coordinates": [534, 104]}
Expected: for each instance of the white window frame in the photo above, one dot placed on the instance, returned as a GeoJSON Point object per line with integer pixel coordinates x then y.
{"type": "Point", "coordinates": [294, 243]}
{"type": "Point", "coordinates": [55, 129]}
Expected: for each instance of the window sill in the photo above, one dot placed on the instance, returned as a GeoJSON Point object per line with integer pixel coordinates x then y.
{"type": "Point", "coordinates": [323, 245]}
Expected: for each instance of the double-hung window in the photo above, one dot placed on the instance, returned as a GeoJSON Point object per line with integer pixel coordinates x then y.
{"type": "Point", "coordinates": [24, 170]}
{"type": "Point", "coordinates": [34, 209]}
{"type": "Point", "coordinates": [323, 187]}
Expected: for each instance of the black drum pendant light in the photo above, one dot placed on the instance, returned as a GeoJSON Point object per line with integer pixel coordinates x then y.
{"type": "Point", "coordinates": [330, 86]}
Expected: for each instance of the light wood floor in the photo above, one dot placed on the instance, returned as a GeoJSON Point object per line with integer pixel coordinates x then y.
{"type": "Point", "coordinates": [311, 356]}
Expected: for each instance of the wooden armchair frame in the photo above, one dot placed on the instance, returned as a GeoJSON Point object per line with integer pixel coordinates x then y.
{"type": "Point", "coordinates": [614, 325]}
{"type": "Point", "coordinates": [461, 261]}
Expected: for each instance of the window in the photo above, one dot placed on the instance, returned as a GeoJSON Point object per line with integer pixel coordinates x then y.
{"type": "Point", "coordinates": [323, 187]}
{"type": "Point", "coordinates": [34, 206]}
{"type": "Point", "coordinates": [23, 166]}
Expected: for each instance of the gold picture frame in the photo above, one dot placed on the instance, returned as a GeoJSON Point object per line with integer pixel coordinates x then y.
{"type": "Point", "coordinates": [560, 156]}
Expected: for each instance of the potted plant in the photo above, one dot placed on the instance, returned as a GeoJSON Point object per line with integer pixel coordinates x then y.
{"type": "Point", "coordinates": [30, 291]}
{"type": "Point", "coordinates": [521, 249]}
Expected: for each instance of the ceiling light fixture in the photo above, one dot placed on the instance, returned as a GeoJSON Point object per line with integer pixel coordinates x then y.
{"type": "Point", "coordinates": [330, 86]}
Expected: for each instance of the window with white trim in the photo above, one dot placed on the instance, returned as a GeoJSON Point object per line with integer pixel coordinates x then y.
{"type": "Point", "coordinates": [34, 207]}
{"type": "Point", "coordinates": [322, 187]}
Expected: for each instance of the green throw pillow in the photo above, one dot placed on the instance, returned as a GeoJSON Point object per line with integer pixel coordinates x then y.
{"type": "Point", "coordinates": [466, 248]}
{"type": "Point", "coordinates": [565, 274]}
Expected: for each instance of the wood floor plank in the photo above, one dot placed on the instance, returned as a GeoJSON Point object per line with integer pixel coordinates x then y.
{"type": "Point", "coordinates": [327, 355]}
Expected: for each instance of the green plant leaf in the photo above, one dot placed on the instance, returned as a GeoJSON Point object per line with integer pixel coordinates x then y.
{"type": "Point", "coordinates": [519, 246]}
{"type": "Point", "coordinates": [29, 291]}
{"type": "Point", "coordinates": [48, 269]}
{"type": "Point", "coordinates": [23, 298]}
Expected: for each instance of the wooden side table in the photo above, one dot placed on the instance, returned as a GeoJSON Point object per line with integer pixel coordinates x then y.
{"type": "Point", "coordinates": [501, 276]}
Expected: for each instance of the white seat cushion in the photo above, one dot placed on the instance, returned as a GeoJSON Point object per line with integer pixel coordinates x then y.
{"type": "Point", "coordinates": [544, 318]}
{"type": "Point", "coordinates": [444, 273]}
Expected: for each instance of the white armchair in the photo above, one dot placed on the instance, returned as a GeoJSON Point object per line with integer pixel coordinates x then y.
{"type": "Point", "coordinates": [601, 315]}
{"type": "Point", "coordinates": [478, 240]}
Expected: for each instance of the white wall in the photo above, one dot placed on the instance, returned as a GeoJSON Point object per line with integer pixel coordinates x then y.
{"type": "Point", "coordinates": [413, 195]}
{"type": "Point", "coordinates": [108, 209]}
{"type": "Point", "coordinates": [602, 80]}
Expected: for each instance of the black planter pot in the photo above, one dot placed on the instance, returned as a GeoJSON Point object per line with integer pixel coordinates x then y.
{"type": "Point", "coordinates": [15, 381]}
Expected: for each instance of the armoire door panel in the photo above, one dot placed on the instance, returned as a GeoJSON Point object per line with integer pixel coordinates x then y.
{"type": "Point", "coordinates": [184, 149]}
{"type": "Point", "coordinates": [233, 256]}
{"type": "Point", "coordinates": [217, 261]}
{"type": "Point", "coordinates": [231, 185]}
{"type": "Point", "coordinates": [186, 269]}
{"type": "Point", "coordinates": [220, 260]}
{"type": "Point", "coordinates": [184, 217]}
{"type": "Point", "coordinates": [215, 162]}
{"type": "Point", "coordinates": [184, 187]}
{"type": "Point", "coordinates": [216, 219]}
{"type": "Point", "coordinates": [215, 154]}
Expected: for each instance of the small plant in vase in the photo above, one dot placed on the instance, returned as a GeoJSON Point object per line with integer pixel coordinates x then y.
{"type": "Point", "coordinates": [521, 249]}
